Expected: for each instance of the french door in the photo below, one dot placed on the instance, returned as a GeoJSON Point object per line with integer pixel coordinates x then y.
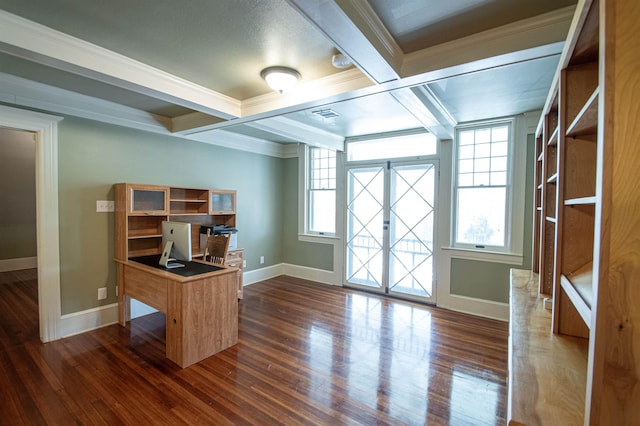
{"type": "Point", "coordinates": [390, 228]}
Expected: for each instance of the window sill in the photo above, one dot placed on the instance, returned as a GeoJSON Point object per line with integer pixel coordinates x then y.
{"type": "Point", "coordinates": [321, 239]}
{"type": "Point", "coordinates": [485, 255]}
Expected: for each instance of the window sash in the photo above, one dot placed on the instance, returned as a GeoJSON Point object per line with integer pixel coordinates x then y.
{"type": "Point", "coordinates": [320, 217]}
{"type": "Point", "coordinates": [482, 186]}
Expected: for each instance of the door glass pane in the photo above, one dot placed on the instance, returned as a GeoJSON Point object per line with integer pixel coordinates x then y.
{"type": "Point", "coordinates": [412, 202]}
{"type": "Point", "coordinates": [364, 256]}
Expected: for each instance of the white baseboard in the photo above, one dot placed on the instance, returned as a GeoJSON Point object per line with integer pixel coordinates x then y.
{"type": "Point", "coordinates": [91, 319]}
{"type": "Point", "coordinates": [79, 322]}
{"type": "Point", "coordinates": [257, 275]}
{"type": "Point", "coordinates": [477, 307]}
{"type": "Point", "coordinates": [18, 264]}
{"type": "Point", "coordinates": [319, 275]}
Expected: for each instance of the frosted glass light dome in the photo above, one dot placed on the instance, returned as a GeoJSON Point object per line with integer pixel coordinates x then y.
{"type": "Point", "coordinates": [280, 79]}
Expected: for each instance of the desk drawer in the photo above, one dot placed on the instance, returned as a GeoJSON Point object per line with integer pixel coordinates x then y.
{"type": "Point", "coordinates": [234, 258]}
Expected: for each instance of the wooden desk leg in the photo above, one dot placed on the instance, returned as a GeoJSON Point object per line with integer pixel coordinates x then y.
{"type": "Point", "coordinates": [124, 301]}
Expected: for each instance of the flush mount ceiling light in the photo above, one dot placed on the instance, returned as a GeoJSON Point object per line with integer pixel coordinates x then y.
{"type": "Point", "coordinates": [280, 79]}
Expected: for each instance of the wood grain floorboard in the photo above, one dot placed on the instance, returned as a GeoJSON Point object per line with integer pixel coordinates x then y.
{"type": "Point", "coordinates": [306, 354]}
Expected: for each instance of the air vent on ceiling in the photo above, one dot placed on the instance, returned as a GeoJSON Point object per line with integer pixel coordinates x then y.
{"type": "Point", "coordinates": [326, 113]}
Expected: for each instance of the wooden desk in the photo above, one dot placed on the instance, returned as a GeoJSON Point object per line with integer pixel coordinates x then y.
{"type": "Point", "coordinates": [201, 310]}
{"type": "Point", "coordinates": [547, 372]}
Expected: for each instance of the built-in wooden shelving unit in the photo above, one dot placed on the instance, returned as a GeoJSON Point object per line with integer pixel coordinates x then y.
{"type": "Point", "coordinates": [586, 229]}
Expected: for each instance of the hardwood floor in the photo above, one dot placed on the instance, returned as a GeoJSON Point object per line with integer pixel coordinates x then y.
{"type": "Point", "coordinates": [307, 354]}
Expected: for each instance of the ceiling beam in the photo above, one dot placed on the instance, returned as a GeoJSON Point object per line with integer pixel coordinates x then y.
{"type": "Point", "coordinates": [35, 42]}
{"type": "Point", "coordinates": [358, 33]}
{"type": "Point", "coordinates": [299, 132]}
{"type": "Point", "coordinates": [355, 30]}
{"type": "Point", "coordinates": [424, 106]}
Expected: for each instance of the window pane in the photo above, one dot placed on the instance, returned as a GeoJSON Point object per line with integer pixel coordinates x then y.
{"type": "Point", "coordinates": [481, 179]}
{"type": "Point", "coordinates": [466, 166]}
{"type": "Point", "coordinates": [322, 207]}
{"type": "Point", "coordinates": [483, 150]}
{"type": "Point", "coordinates": [500, 133]}
{"type": "Point", "coordinates": [466, 152]}
{"type": "Point", "coordinates": [465, 179]}
{"type": "Point", "coordinates": [483, 135]}
{"type": "Point", "coordinates": [481, 216]}
{"type": "Point", "coordinates": [481, 165]}
{"type": "Point", "coordinates": [498, 164]}
{"type": "Point", "coordinates": [498, 149]}
{"type": "Point", "coordinates": [393, 147]}
{"type": "Point", "coordinates": [466, 138]}
{"type": "Point", "coordinates": [498, 178]}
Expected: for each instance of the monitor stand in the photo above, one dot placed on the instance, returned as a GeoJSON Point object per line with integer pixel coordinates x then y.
{"type": "Point", "coordinates": [167, 261]}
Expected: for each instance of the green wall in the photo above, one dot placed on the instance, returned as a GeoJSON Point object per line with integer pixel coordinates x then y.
{"type": "Point", "coordinates": [487, 280]}
{"type": "Point", "coordinates": [94, 156]}
{"type": "Point", "coordinates": [297, 252]}
{"type": "Point", "coordinates": [17, 194]}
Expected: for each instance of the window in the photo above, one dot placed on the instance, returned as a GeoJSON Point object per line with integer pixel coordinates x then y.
{"type": "Point", "coordinates": [483, 186]}
{"type": "Point", "coordinates": [321, 192]}
{"type": "Point", "coordinates": [392, 145]}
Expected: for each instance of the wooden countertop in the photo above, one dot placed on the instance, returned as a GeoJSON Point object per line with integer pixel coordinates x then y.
{"type": "Point", "coordinates": [547, 372]}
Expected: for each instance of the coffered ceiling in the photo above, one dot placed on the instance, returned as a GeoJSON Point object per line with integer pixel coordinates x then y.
{"type": "Point", "coordinates": [192, 68]}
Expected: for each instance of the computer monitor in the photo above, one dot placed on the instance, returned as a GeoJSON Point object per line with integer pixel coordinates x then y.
{"type": "Point", "coordinates": [176, 243]}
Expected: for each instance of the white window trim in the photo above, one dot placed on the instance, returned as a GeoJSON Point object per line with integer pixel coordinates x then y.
{"type": "Point", "coordinates": [512, 252]}
{"type": "Point", "coordinates": [303, 181]}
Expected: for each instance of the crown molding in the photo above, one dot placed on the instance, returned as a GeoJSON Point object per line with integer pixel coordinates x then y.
{"type": "Point", "coordinates": [25, 93]}
{"type": "Point", "coordinates": [322, 88]}
{"type": "Point", "coordinates": [44, 45]}
{"type": "Point", "coordinates": [31, 94]}
{"type": "Point", "coordinates": [372, 27]}
{"type": "Point", "coordinates": [540, 30]}
{"type": "Point", "coordinates": [239, 142]}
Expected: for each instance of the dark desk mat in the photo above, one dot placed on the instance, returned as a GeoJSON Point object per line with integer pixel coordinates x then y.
{"type": "Point", "coordinates": [189, 270]}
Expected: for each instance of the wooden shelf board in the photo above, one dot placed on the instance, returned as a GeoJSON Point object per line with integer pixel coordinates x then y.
{"type": "Point", "coordinates": [550, 219]}
{"type": "Point", "coordinates": [539, 209]}
{"type": "Point", "coordinates": [140, 237]}
{"type": "Point", "coordinates": [175, 200]}
{"type": "Point", "coordinates": [540, 157]}
{"type": "Point", "coordinates": [540, 186]}
{"type": "Point", "coordinates": [553, 139]}
{"type": "Point", "coordinates": [187, 214]}
{"type": "Point", "coordinates": [547, 374]}
{"type": "Point", "coordinates": [578, 286]}
{"type": "Point", "coordinates": [580, 201]}
{"type": "Point", "coordinates": [553, 178]}
{"type": "Point", "coordinates": [586, 122]}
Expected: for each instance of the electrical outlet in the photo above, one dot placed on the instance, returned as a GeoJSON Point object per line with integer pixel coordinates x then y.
{"type": "Point", "coordinates": [244, 263]}
{"type": "Point", "coordinates": [102, 293]}
{"type": "Point", "coordinates": [261, 260]}
{"type": "Point", "coordinates": [105, 206]}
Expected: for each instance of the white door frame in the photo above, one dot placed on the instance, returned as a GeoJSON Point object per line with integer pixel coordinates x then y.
{"type": "Point", "coordinates": [45, 127]}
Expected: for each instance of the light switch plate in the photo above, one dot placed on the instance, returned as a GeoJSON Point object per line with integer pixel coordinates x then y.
{"type": "Point", "coordinates": [104, 206]}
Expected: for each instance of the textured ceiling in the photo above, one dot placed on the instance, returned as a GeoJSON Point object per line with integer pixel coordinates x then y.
{"type": "Point", "coordinates": [215, 50]}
